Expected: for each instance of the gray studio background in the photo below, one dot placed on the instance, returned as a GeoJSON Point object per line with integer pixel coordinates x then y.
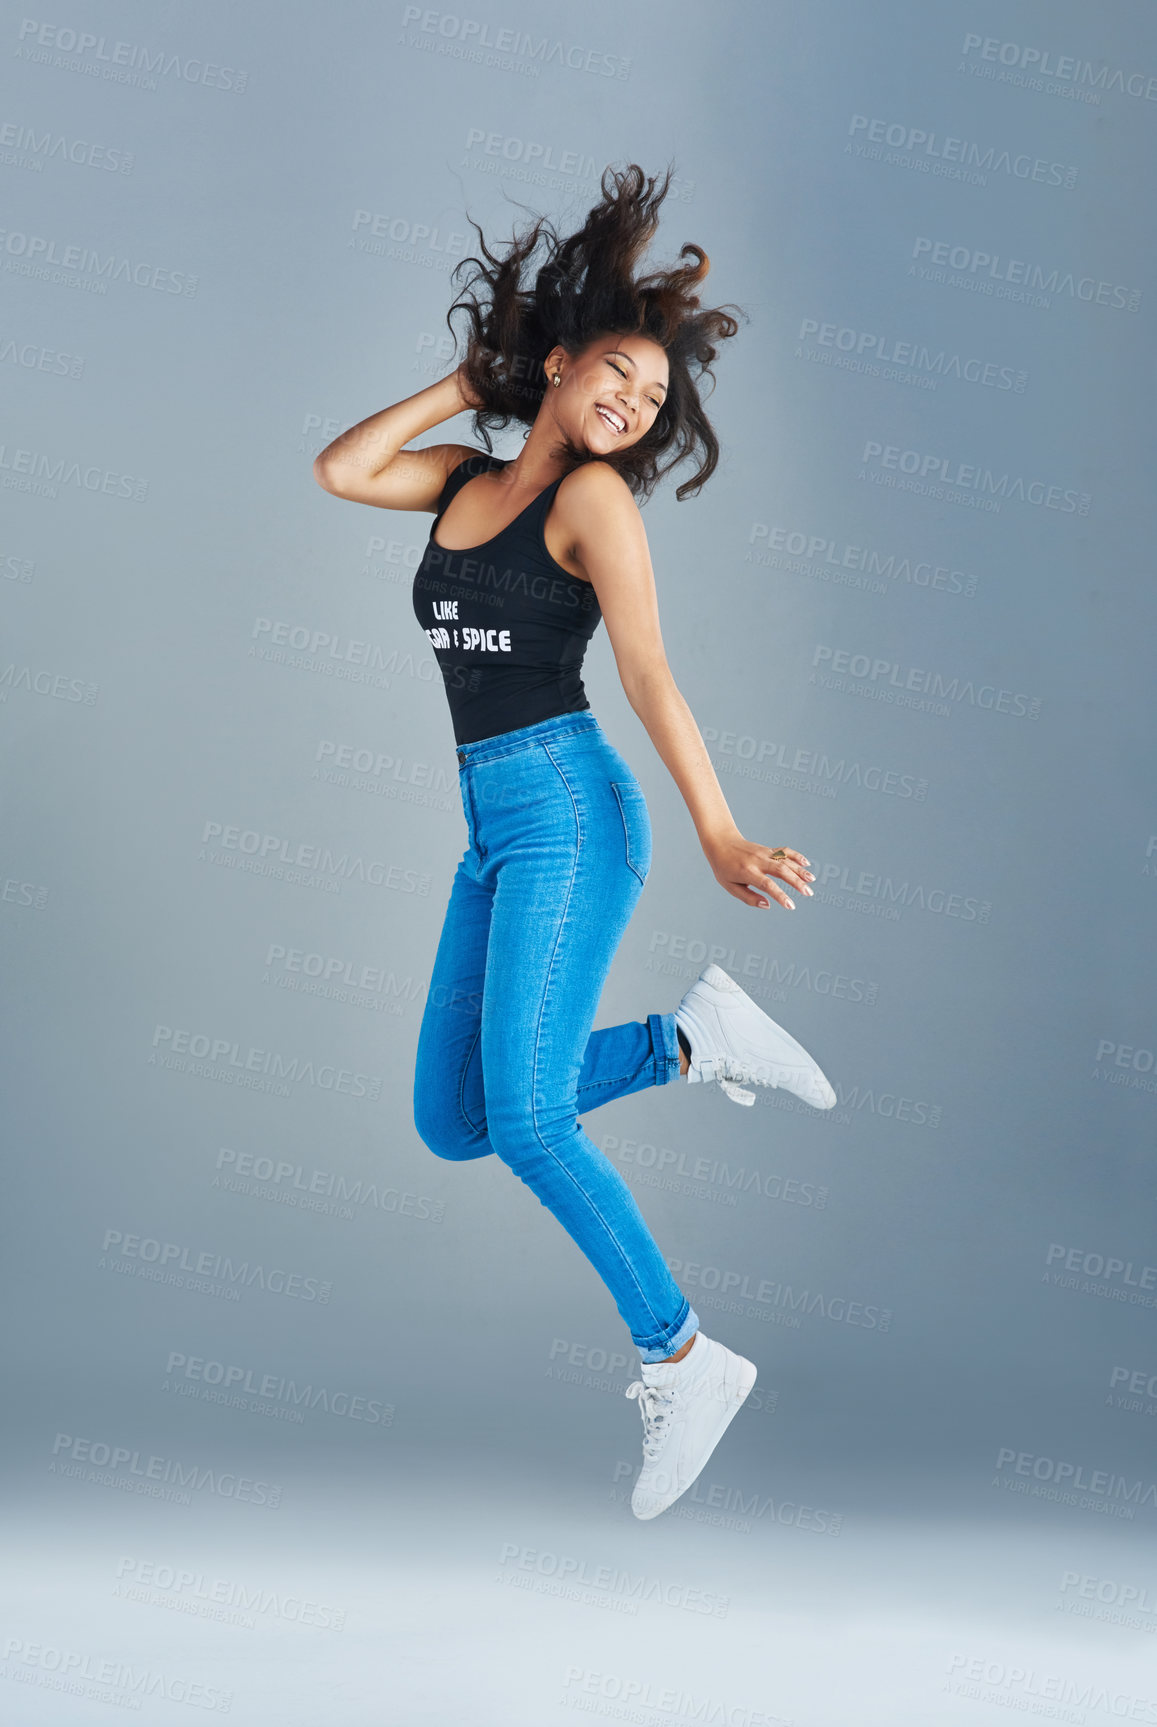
{"type": "Point", "coordinates": [305, 1425]}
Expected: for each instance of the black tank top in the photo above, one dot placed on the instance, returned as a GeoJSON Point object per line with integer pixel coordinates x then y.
{"type": "Point", "coordinates": [508, 625]}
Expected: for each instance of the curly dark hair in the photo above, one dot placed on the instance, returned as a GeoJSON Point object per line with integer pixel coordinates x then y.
{"type": "Point", "coordinates": [583, 288]}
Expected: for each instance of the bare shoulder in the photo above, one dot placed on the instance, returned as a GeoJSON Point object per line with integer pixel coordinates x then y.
{"type": "Point", "coordinates": [595, 482]}
{"type": "Point", "coordinates": [596, 500]}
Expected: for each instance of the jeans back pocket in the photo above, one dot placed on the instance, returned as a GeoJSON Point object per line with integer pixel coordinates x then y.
{"type": "Point", "coordinates": [636, 826]}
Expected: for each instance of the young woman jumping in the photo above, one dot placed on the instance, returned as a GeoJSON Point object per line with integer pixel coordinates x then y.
{"type": "Point", "coordinates": [524, 559]}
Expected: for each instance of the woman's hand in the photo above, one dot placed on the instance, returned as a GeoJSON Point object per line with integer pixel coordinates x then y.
{"type": "Point", "coordinates": [736, 863]}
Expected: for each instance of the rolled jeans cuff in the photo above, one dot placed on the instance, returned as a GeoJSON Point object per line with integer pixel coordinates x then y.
{"type": "Point", "coordinates": [686, 1328]}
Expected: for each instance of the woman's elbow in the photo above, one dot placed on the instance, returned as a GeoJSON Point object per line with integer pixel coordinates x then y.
{"type": "Point", "coordinates": [326, 475]}
{"type": "Point", "coordinates": [643, 682]}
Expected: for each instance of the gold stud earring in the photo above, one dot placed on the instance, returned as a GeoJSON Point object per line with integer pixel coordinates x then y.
{"type": "Point", "coordinates": [557, 379]}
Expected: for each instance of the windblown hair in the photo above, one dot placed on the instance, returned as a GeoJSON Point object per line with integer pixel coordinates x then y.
{"type": "Point", "coordinates": [584, 286]}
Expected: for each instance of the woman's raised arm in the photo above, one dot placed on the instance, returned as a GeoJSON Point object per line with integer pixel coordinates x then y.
{"type": "Point", "coordinates": [369, 465]}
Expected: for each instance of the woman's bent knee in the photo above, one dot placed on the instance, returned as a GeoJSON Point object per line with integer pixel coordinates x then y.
{"type": "Point", "coordinates": [450, 1138]}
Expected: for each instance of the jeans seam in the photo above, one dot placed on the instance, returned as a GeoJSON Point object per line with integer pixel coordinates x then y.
{"type": "Point", "coordinates": [559, 1164]}
{"type": "Point", "coordinates": [594, 1084]}
{"type": "Point", "coordinates": [476, 836]}
{"type": "Point", "coordinates": [462, 1082]}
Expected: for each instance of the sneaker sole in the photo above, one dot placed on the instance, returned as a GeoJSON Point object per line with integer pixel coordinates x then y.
{"type": "Point", "coordinates": [747, 1378]}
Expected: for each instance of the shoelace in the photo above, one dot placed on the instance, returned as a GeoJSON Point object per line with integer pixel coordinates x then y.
{"type": "Point", "coordinates": [727, 1083]}
{"type": "Point", "coordinates": [726, 1070]}
{"type": "Point", "coordinates": [655, 1404]}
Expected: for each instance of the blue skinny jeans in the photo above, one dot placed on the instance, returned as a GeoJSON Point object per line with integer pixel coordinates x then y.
{"type": "Point", "coordinates": [560, 848]}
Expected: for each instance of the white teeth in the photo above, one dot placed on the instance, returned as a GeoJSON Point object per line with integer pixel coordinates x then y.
{"type": "Point", "coordinates": [612, 422]}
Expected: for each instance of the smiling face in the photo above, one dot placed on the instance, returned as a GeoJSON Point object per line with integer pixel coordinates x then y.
{"type": "Point", "coordinates": [611, 391]}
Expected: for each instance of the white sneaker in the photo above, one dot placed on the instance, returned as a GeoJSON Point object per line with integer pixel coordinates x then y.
{"type": "Point", "coordinates": [733, 1039]}
{"type": "Point", "coordinates": [686, 1408]}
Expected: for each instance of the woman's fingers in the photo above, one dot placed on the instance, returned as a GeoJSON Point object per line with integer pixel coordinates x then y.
{"type": "Point", "coordinates": [796, 878]}
{"type": "Point", "coordinates": [790, 866]}
{"type": "Point", "coordinates": [749, 872]}
{"type": "Point", "coordinates": [752, 897]}
{"type": "Point", "coordinates": [799, 882]}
